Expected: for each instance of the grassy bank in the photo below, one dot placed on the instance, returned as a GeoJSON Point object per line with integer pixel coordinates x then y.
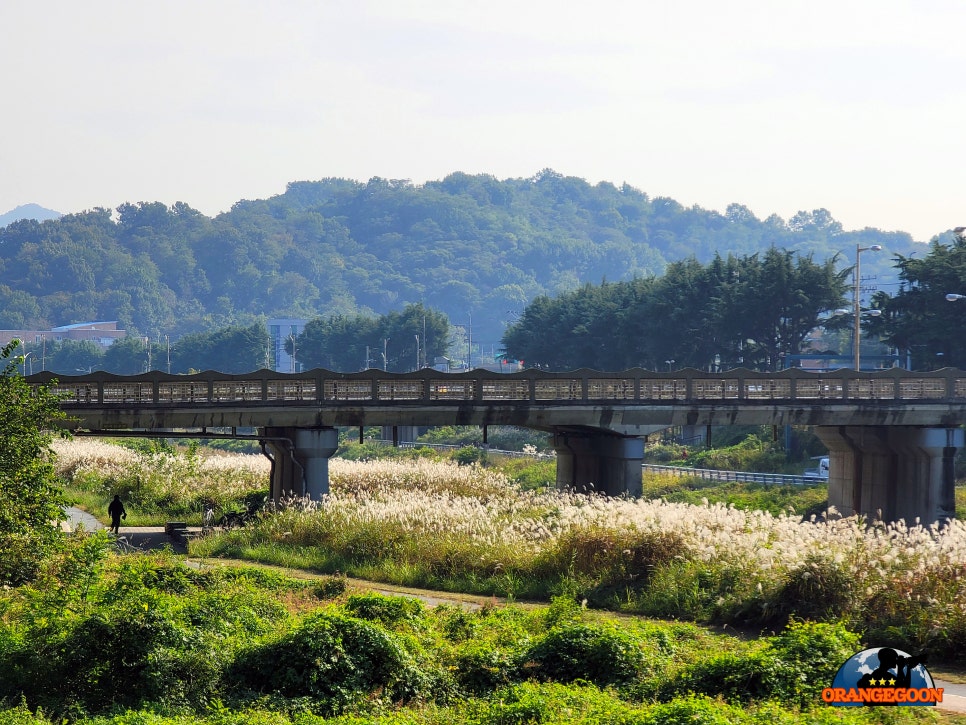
{"type": "Point", "coordinates": [423, 522]}
{"type": "Point", "coordinates": [103, 638]}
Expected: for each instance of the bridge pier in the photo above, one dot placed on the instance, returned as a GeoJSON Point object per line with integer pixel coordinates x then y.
{"type": "Point", "coordinates": [401, 433]}
{"type": "Point", "coordinates": [890, 473]}
{"type": "Point", "coordinates": [300, 460]}
{"type": "Point", "coordinates": [596, 461]}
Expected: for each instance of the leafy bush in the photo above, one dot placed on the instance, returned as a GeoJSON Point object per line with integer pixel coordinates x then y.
{"type": "Point", "coordinates": [792, 668]}
{"type": "Point", "coordinates": [481, 667]}
{"type": "Point", "coordinates": [601, 654]}
{"type": "Point", "coordinates": [752, 454]}
{"type": "Point", "coordinates": [330, 587]}
{"type": "Point", "coordinates": [388, 611]}
{"type": "Point", "coordinates": [335, 660]}
{"type": "Point", "coordinates": [468, 455]}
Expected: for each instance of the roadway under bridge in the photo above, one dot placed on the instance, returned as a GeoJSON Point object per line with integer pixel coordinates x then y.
{"type": "Point", "coordinates": [892, 435]}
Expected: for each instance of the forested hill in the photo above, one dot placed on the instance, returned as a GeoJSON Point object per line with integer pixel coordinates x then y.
{"type": "Point", "coordinates": [477, 248]}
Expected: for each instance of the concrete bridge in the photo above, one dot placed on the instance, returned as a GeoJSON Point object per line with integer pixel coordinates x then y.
{"type": "Point", "coordinates": [892, 435]}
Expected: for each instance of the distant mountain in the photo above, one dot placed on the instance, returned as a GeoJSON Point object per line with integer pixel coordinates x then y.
{"type": "Point", "coordinates": [477, 248]}
{"type": "Point", "coordinates": [28, 211]}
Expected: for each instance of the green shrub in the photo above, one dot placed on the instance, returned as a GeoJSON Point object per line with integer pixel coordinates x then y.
{"type": "Point", "coordinates": [456, 623]}
{"type": "Point", "coordinates": [792, 668]}
{"type": "Point", "coordinates": [335, 660]}
{"type": "Point", "coordinates": [752, 454]}
{"type": "Point", "coordinates": [481, 667]}
{"type": "Point", "coordinates": [468, 455]}
{"type": "Point", "coordinates": [126, 655]}
{"type": "Point", "coordinates": [330, 587]}
{"type": "Point", "coordinates": [388, 611]}
{"type": "Point", "coordinates": [598, 653]}
{"type": "Point", "coordinates": [813, 651]}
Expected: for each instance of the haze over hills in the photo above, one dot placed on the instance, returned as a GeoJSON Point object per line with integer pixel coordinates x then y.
{"type": "Point", "coordinates": [28, 211]}
{"type": "Point", "coordinates": [474, 247]}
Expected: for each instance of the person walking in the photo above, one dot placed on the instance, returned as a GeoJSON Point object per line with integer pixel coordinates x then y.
{"type": "Point", "coordinates": [117, 512]}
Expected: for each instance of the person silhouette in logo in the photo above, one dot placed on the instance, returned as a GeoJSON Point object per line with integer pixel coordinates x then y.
{"type": "Point", "coordinates": [883, 675]}
{"type": "Point", "coordinates": [116, 512]}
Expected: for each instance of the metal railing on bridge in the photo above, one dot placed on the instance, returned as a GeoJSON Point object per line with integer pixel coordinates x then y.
{"type": "Point", "coordinates": [528, 386]}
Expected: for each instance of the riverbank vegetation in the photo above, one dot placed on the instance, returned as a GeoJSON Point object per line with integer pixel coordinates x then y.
{"type": "Point", "coordinates": [97, 636]}
{"type": "Point", "coordinates": [140, 638]}
{"type": "Point", "coordinates": [436, 524]}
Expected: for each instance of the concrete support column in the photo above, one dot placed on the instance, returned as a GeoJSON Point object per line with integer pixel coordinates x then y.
{"type": "Point", "coordinates": [599, 462]}
{"type": "Point", "coordinates": [400, 433]}
{"type": "Point", "coordinates": [300, 460]}
{"type": "Point", "coordinates": [890, 473]}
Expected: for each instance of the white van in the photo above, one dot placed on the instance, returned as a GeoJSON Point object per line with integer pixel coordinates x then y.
{"type": "Point", "coordinates": [821, 471]}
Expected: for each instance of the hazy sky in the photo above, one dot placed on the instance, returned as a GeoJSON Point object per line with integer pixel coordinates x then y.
{"type": "Point", "coordinates": [855, 106]}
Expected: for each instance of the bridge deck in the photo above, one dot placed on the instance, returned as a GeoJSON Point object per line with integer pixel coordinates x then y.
{"type": "Point", "coordinates": [631, 402]}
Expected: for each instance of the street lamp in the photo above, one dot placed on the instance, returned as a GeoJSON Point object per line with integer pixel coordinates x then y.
{"type": "Point", "coordinates": [669, 364]}
{"type": "Point", "coordinates": [952, 297]}
{"type": "Point", "coordinates": [856, 279]}
{"type": "Point", "coordinates": [857, 327]}
{"type": "Point", "coordinates": [417, 351]}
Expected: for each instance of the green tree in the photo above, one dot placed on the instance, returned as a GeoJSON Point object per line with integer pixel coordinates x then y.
{"type": "Point", "coordinates": [347, 343]}
{"type": "Point", "coordinates": [75, 357]}
{"type": "Point", "coordinates": [743, 310]}
{"type": "Point", "coordinates": [127, 356]}
{"type": "Point", "coordinates": [32, 499]}
{"type": "Point", "coordinates": [344, 343]}
{"type": "Point", "coordinates": [228, 350]}
{"type": "Point", "coordinates": [919, 319]}
{"type": "Point", "coordinates": [778, 302]}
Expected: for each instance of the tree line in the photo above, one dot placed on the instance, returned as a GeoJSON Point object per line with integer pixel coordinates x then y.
{"type": "Point", "coordinates": [751, 310]}
{"type": "Point", "coordinates": [471, 246]}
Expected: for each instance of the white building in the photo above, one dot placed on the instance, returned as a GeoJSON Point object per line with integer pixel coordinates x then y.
{"type": "Point", "coordinates": [280, 331]}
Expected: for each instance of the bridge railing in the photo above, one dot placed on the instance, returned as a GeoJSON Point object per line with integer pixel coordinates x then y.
{"type": "Point", "coordinates": [528, 386]}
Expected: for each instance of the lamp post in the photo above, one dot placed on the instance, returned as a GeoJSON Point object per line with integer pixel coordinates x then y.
{"type": "Point", "coordinates": [856, 325]}
{"type": "Point", "coordinates": [669, 364]}
{"type": "Point", "coordinates": [856, 280]}
{"type": "Point", "coordinates": [417, 351]}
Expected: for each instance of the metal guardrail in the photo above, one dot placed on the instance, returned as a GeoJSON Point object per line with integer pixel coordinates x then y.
{"type": "Point", "coordinates": [706, 473]}
{"type": "Point", "coordinates": [429, 386]}
{"type": "Point", "coordinates": [739, 476]}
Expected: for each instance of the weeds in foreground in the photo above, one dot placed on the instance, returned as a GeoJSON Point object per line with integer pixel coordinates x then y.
{"type": "Point", "coordinates": [102, 638]}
